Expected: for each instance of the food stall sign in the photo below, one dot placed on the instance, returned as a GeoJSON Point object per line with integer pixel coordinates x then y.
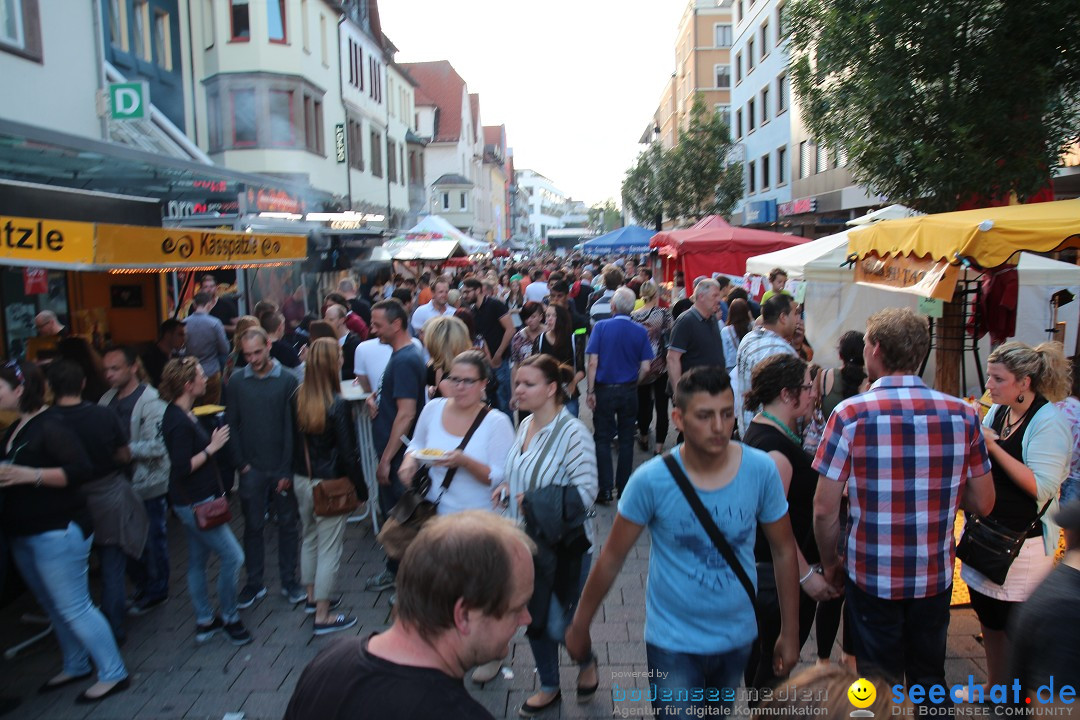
{"type": "Point", "coordinates": [45, 243]}
{"type": "Point", "coordinates": [131, 246]}
{"type": "Point", "coordinates": [922, 276]}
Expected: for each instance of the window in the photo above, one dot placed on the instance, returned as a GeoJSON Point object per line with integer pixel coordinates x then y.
{"type": "Point", "coordinates": [243, 114]}
{"type": "Point", "coordinates": [304, 30]}
{"type": "Point", "coordinates": [162, 40]}
{"type": "Point", "coordinates": [724, 111]}
{"type": "Point", "coordinates": [208, 23]}
{"type": "Point", "coordinates": [391, 161]}
{"type": "Point", "coordinates": [446, 201]}
{"type": "Point", "coordinates": [764, 39]}
{"type": "Point", "coordinates": [765, 105]}
{"type": "Point", "coordinates": [322, 39]}
{"type": "Point", "coordinates": [804, 159]}
{"type": "Point", "coordinates": [722, 35]}
{"type": "Point", "coordinates": [401, 155]}
{"type": "Point", "coordinates": [738, 67]}
{"type": "Point", "coordinates": [822, 159]}
{"type": "Point", "coordinates": [781, 165]}
{"type": "Point", "coordinates": [20, 28]}
{"type": "Point", "coordinates": [738, 11]}
{"type": "Point", "coordinates": [751, 116]}
{"type": "Point", "coordinates": [213, 119]}
{"type": "Point", "coordinates": [281, 119]}
{"type": "Point", "coordinates": [463, 203]}
{"type": "Point", "coordinates": [117, 22]}
{"type": "Point", "coordinates": [356, 67]}
{"type": "Point", "coordinates": [751, 178]}
{"type": "Point", "coordinates": [781, 22]}
{"type": "Point", "coordinates": [782, 90]}
{"type": "Point", "coordinates": [356, 144]}
{"type": "Point", "coordinates": [841, 158]}
{"type": "Point", "coordinates": [275, 10]}
{"type": "Point", "coordinates": [749, 56]}
{"type": "Point", "coordinates": [239, 21]}
{"type": "Point", "coordinates": [376, 154]}
{"type": "Point", "coordinates": [723, 76]}
{"type": "Point", "coordinates": [141, 15]}
{"type": "Point", "coordinates": [738, 124]}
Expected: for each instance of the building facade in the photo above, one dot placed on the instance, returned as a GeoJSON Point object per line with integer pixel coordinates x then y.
{"type": "Point", "coordinates": [495, 167]}
{"type": "Point", "coordinates": [546, 203]}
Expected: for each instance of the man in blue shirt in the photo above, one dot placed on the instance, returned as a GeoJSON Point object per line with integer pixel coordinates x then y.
{"type": "Point", "coordinates": [206, 340]}
{"type": "Point", "coordinates": [699, 620]}
{"type": "Point", "coordinates": [624, 347]}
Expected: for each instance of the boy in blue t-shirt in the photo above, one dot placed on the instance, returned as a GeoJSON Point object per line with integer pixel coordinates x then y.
{"type": "Point", "coordinates": [699, 620]}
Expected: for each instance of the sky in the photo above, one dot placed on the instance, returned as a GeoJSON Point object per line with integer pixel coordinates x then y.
{"type": "Point", "coordinates": [576, 82]}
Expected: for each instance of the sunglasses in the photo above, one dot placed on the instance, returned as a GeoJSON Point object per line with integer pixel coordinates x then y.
{"type": "Point", "coordinates": [467, 382]}
{"type": "Point", "coordinates": [14, 366]}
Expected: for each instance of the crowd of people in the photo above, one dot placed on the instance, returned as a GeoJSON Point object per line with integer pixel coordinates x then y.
{"type": "Point", "coordinates": [810, 496]}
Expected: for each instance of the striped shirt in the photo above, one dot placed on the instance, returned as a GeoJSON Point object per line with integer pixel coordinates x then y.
{"type": "Point", "coordinates": [905, 452]}
{"type": "Point", "coordinates": [757, 345]}
{"type": "Point", "coordinates": [561, 453]}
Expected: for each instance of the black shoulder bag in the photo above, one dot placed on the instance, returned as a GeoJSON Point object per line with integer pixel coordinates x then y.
{"type": "Point", "coordinates": [713, 532]}
{"type": "Point", "coordinates": [413, 510]}
{"type": "Point", "coordinates": [990, 547]}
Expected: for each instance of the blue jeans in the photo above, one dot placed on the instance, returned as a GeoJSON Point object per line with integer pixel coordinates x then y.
{"type": "Point", "coordinates": [895, 639]}
{"type": "Point", "coordinates": [545, 649]}
{"type": "Point", "coordinates": [694, 681]}
{"type": "Point", "coordinates": [573, 406]}
{"type": "Point", "coordinates": [113, 588]}
{"type": "Point", "coordinates": [150, 573]}
{"type": "Point", "coordinates": [255, 485]}
{"type": "Point", "coordinates": [1070, 490]}
{"type": "Point", "coordinates": [388, 497]}
{"type": "Point", "coordinates": [502, 393]}
{"type": "Point", "coordinates": [54, 566]}
{"type": "Point", "coordinates": [201, 543]}
{"type": "Point", "coordinates": [616, 410]}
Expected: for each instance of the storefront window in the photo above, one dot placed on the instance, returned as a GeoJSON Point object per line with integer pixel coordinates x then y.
{"type": "Point", "coordinates": [20, 308]}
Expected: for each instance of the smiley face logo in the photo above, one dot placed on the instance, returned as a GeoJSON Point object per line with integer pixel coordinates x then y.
{"type": "Point", "coordinates": [862, 693]}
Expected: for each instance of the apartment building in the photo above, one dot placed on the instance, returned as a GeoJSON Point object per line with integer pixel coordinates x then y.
{"type": "Point", "coordinates": [702, 67]}
{"type": "Point", "coordinates": [546, 203]}
{"type": "Point", "coordinates": [495, 167]}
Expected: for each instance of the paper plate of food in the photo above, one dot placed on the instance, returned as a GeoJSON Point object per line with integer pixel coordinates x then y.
{"type": "Point", "coordinates": [427, 456]}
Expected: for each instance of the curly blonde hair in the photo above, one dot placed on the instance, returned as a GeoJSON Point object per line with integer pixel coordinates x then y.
{"type": "Point", "coordinates": [1045, 364]}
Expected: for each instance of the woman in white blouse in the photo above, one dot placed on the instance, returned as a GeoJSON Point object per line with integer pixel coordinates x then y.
{"type": "Point", "coordinates": [552, 448]}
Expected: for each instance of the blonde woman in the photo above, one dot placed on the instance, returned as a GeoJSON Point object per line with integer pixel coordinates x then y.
{"type": "Point", "coordinates": [325, 448]}
{"type": "Point", "coordinates": [445, 337]}
{"type": "Point", "coordinates": [1030, 444]}
{"type": "Point", "coordinates": [236, 357]}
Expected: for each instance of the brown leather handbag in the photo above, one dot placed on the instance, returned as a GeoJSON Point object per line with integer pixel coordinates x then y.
{"type": "Point", "coordinates": [332, 496]}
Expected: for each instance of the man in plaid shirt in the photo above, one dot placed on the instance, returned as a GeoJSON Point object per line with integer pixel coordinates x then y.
{"type": "Point", "coordinates": [909, 456]}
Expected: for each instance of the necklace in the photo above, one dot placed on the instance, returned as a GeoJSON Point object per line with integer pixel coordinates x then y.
{"type": "Point", "coordinates": [1007, 427]}
{"type": "Point", "coordinates": [783, 426]}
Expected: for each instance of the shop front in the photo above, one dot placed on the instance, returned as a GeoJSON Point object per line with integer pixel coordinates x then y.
{"type": "Point", "coordinates": [115, 282]}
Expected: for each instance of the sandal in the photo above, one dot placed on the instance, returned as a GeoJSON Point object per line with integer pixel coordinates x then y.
{"type": "Point", "coordinates": [529, 710]}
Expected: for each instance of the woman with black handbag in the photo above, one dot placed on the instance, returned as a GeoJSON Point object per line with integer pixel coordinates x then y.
{"type": "Point", "coordinates": [195, 487]}
{"type": "Point", "coordinates": [553, 450]}
{"type": "Point", "coordinates": [324, 451]}
{"type": "Point", "coordinates": [1030, 445]}
{"type": "Point", "coordinates": [652, 390]}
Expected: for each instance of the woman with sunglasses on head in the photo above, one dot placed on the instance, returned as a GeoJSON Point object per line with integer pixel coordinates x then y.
{"type": "Point", "coordinates": [781, 385]}
{"type": "Point", "coordinates": [444, 424]}
{"type": "Point", "coordinates": [1030, 445]}
{"type": "Point", "coordinates": [47, 525]}
{"type": "Point", "coordinates": [445, 337]}
{"type": "Point", "coordinates": [193, 480]}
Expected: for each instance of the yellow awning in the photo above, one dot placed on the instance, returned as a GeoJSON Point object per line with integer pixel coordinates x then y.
{"type": "Point", "coordinates": [62, 245]}
{"type": "Point", "coordinates": [989, 236]}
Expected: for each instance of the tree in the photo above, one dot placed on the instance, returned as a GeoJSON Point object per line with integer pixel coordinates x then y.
{"type": "Point", "coordinates": [939, 104]}
{"type": "Point", "coordinates": [605, 216]}
{"type": "Point", "coordinates": [691, 180]}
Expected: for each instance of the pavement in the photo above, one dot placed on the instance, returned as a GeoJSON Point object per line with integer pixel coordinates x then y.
{"type": "Point", "coordinates": [173, 678]}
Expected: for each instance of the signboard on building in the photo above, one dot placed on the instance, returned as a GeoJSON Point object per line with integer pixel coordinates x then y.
{"type": "Point", "coordinates": [127, 245]}
{"type": "Point", "coordinates": [339, 142]}
{"type": "Point", "coordinates": [760, 211]}
{"type": "Point", "coordinates": [801, 206]}
{"type": "Point", "coordinates": [42, 243]}
{"type": "Point", "coordinates": [129, 101]}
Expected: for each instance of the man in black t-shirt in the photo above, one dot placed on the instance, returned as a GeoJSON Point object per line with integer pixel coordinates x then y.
{"type": "Point", "coordinates": [493, 324]}
{"type": "Point", "coordinates": [462, 595]}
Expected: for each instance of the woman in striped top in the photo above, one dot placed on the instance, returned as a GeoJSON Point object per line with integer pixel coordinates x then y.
{"type": "Point", "coordinates": [552, 448]}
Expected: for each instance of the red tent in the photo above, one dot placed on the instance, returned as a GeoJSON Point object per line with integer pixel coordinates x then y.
{"type": "Point", "coordinates": [713, 245]}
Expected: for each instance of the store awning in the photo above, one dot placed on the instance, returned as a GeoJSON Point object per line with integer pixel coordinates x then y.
{"type": "Point", "coordinates": [986, 237]}
{"type": "Point", "coordinates": [61, 245]}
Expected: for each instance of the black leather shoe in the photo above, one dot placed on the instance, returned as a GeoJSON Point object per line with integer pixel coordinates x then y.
{"type": "Point", "coordinates": [605, 498]}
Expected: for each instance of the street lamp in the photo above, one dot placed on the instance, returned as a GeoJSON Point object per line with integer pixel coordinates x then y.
{"type": "Point", "coordinates": [656, 182]}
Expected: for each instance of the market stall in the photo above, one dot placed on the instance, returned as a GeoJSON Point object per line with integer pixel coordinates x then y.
{"type": "Point", "coordinates": [632, 239]}
{"type": "Point", "coordinates": [714, 246]}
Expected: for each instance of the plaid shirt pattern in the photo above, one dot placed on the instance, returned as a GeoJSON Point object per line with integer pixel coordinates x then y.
{"type": "Point", "coordinates": [906, 452]}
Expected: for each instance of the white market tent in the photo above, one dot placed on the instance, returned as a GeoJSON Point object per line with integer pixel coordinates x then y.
{"type": "Point", "coordinates": [439, 227]}
{"type": "Point", "coordinates": [835, 304]}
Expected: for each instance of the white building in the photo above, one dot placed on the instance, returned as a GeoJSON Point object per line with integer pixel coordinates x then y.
{"type": "Point", "coordinates": [761, 109]}
{"type": "Point", "coordinates": [546, 203]}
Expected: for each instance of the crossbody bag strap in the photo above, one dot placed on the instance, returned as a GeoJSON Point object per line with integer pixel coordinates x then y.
{"type": "Point", "coordinates": [710, 527]}
{"type": "Point", "coordinates": [1035, 522]}
{"type": "Point", "coordinates": [449, 477]}
{"type": "Point", "coordinates": [307, 456]}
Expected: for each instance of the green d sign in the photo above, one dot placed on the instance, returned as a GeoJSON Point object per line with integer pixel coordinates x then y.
{"type": "Point", "coordinates": [128, 101]}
